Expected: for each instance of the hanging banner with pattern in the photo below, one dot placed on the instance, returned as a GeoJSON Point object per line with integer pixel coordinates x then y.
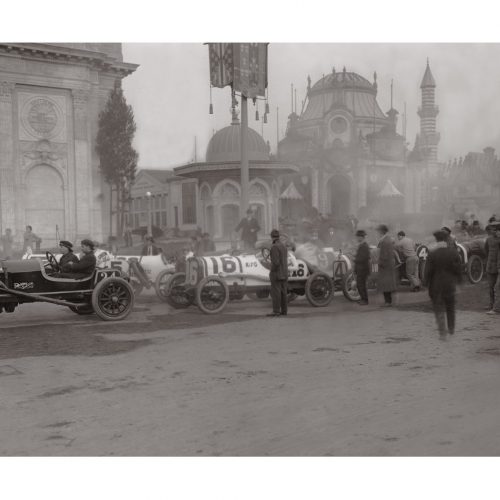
{"type": "Point", "coordinates": [250, 69]}
{"type": "Point", "coordinates": [221, 64]}
{"type": "Point", "coordinates": [242, 65]}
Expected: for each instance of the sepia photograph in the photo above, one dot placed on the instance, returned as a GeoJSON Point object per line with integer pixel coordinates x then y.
{"type": "Point", "coordinates": [261, 249]}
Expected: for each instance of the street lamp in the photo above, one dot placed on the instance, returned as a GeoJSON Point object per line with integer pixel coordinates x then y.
{"type": "Point", "coordinates": [150, 229]}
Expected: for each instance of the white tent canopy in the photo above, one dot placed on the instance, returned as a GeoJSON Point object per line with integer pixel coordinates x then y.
{"type": "Point", "coordinates": [390, 191]}
{"type": "Point", "coordinates": [290, 193]}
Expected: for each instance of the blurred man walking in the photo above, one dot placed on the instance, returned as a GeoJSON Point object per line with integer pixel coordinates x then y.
{"type": "Point", "coordinates": [443, 270]}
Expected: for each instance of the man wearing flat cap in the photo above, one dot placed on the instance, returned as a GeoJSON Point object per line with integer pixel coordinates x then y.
{"type": "Point", "coordinates": [279, 276]}
{"type": "Point", "coordinates": [362, 266]}
{"type": "Point", "coordinates": [86, 266]}
{"type": "Point", "coordinates": [66, 248]}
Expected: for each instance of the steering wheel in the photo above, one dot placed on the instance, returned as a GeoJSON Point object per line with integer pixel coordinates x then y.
{"type": "Point", "coordinates": [266, 255]}
{"type": "Point", "coordinates": [52, 261]}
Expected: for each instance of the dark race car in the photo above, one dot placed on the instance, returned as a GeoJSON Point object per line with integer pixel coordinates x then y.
{"type": "Point", "coordinates": [105, 292]}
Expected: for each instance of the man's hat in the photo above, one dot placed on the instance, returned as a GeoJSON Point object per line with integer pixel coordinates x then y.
{"type": "Point", "coordinates": [446, 228]}
{"type": "Point", "coordinates": [88, 243]}
{"type": "Point", "coordinates": [275, 234]}
{"type": "Point", "coordinates": [361, 232]}
{"type": "Point", "coordinates": [67, 244]}
{"type": "Point", "coordinates": [382, 228]}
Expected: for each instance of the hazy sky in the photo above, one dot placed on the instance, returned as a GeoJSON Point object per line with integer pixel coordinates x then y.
{"type": "Point", "coordinates": [170, 92]}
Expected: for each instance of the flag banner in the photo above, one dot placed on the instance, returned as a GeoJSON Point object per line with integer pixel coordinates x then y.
{"type": "Point", "coordinates": [221, 64]}
{"type": "Point", "coordinates": [250, 69]}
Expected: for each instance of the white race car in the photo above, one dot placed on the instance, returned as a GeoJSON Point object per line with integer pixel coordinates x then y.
{"type": "Point", "coordinates": [212, 281]}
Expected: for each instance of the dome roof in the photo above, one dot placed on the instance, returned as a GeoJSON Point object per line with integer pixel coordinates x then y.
{"type": "Point", "coordinates": [225, 146]}
{"type": "Point", "coordinates": [345, 89]}
{"type": "Point", "coordinates": [344, 79]}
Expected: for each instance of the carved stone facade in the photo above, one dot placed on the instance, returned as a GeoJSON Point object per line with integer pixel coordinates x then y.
{"type": "Point", "coordinates": [50, 99]}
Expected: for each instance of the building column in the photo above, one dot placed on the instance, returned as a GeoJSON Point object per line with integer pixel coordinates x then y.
{"type": "Point", "coordinates": [7, 170]}
{"type": "Point", "coordinates": [315, 189]}
{"type": "Point", "coordinates": [362, 187]}
{"type": "Point", "coordinates": [83, 173]}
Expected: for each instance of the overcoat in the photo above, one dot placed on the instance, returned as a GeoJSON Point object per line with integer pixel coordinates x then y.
{"type": "Point", "coordinates": [63, 261]}
{"type": "Point", "coordinates": [386, 279]}
{"type": "Point", "coordinates": [443, 270]}
{"type": "Point", "coordinates": [279, 262]}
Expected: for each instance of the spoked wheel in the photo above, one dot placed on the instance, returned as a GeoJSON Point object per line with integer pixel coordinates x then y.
{"type": "Point", "coordinates": [475, 269]}
{"type": "Point", "coordinates": [82, 310]}
{"type": "Point", "coordinates": [350, 288]}
{"type": "Point", "coordinates": [212, 294]}
{"type": "Point", "coordinates": [113, 299]}
{"type": "Point", "coordinates": [319, 289]}
{"type": "Point", "coordinates": [161, 284]}
{"type": "Point", "coordinates": [173, 291]}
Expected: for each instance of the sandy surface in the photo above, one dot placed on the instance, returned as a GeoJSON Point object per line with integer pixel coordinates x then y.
{"type": "Point", "coordinates": [342, 380]}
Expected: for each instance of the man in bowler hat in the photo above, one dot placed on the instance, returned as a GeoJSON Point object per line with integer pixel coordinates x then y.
{"type": "Point", "coordinates": [278, 276]}
{"type": "Point", "coordinates": [362, 266]}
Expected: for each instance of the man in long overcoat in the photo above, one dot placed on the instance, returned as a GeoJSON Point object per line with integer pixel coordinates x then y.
{"type": "Point", "coordinates": [362, 266]}
{"type": "Point", "coordinates": [279, 276]}
{"type": "Point", "coordinates": [386, 280]}
{"type": "Point", "coordinates": [443, 270]}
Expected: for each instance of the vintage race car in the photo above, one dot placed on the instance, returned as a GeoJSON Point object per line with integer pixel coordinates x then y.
{"type": "Point", "coordinates": [143, 271]}
{"type": "Point", "coordinates": [212, 281]}
{"type": "Point", "coordinates": [472, 254]}
{"type": "Point", "coordinates": [107, 292]}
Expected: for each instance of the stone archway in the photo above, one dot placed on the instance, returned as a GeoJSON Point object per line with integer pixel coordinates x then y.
{"type": "Point", "coordinates": [44, 203]}
{"type": "Point", "coordinates": [338, 190]}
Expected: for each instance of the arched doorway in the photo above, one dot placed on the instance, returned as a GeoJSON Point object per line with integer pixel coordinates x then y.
{"type": "Point", "coordinates": [339, 196]}
{"type": "Point", "coordinates": [44, 206]}
{"type": "Point", "coordinates": [230, 215]}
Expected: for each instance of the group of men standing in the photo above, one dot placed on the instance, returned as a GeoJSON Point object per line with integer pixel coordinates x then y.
{"type": "Point", "coordinates": [443, 270]}
{"type": "Point", "coordinates": [30, 239]}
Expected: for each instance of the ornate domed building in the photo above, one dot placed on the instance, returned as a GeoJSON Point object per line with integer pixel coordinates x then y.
{"type": "Point", "coordinates": [218, 189]}
{"type": "Point", "coordinates": [348, 150]}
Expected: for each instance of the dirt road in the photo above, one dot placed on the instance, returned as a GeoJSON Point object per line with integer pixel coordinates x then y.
{"type": "Point", "coordinates": [340, 381]}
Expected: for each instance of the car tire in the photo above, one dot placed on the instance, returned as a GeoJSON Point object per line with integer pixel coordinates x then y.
{"type": "Point", "coordinates": [113, 299]}
{"type": "Point", "coordinates": [174, 293]}
{"type": "Point", "coordinates": [350, 289]}
{"type": "Point", "coordinates": [319, 289]}
{"type": "Point", "coordinates": [161, 282]}
{"type": "Point", "coordinates": [212, 294]}
{"type": "Point", "coordinates": [475, 269]}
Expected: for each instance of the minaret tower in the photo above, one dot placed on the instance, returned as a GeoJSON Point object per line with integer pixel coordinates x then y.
{"type": "Point", "coordinates": [429, 138]}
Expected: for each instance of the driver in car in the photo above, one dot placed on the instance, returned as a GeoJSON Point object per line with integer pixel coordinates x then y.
{"type": "Point", "coordinates": [66, 248]}
{"type": "Point", "coordinates": [86, 266]}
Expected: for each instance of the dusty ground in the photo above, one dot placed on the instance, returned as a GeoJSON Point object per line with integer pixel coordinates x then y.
{"type": "Point", "coordinates": [343, 380]}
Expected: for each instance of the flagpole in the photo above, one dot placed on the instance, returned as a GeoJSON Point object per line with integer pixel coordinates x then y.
{"type": "Point", "coordinates": [245, 177]}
